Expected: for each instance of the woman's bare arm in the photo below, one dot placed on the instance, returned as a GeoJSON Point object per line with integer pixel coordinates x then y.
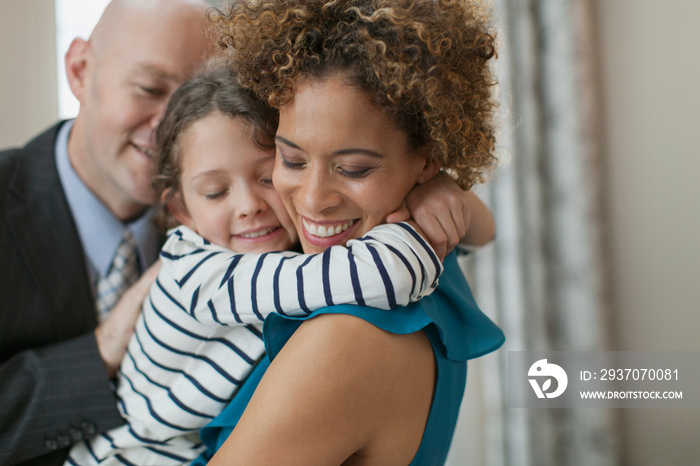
{"type": "Point", "coordinates": [341, 391]}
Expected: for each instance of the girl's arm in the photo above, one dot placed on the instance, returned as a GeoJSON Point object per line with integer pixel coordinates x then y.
{"type": "Point", "coordinates": [447, 215]}
{"type": "Point", "coordinates": [391, 266]}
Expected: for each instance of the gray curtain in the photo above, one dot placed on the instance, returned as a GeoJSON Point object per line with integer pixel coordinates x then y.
{"type": "Point", "coordinates": [544, 277]}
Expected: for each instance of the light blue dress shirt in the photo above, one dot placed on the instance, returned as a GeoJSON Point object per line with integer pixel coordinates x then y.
{"type": "Point", "coordinates": [99, 230]}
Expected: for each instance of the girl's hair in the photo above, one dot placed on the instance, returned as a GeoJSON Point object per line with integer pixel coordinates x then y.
{"type": "Point", "coordinates": [425, 62]}
{"type": "Point", "coordinates": [215, 89]}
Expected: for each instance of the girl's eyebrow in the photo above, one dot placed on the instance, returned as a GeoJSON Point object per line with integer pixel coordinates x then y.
{"type": "Point", "coordinates": [216, 171]}
{"type": "Point", "coordinates": [349, 151]}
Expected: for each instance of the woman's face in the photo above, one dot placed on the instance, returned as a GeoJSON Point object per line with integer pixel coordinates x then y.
{"type": "Point", "coordinates": [341, 164]}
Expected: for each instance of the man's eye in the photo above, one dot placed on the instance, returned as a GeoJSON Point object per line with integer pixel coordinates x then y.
{"type": "Point", "coordinates": [154, 91]}
{"type": "Point", "coordinates": [267, 182]}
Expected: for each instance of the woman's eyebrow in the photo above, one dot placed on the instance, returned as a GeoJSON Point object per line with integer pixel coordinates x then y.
{"type": "Point", "coordinates": [286, 142]}
{"type": "Point", "coordinates": [349, 151]}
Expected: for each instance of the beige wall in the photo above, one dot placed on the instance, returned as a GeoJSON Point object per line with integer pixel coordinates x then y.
{"type": "Point", "coordinates": [650, 74]}
{"type": "Point", "coordinates": [28, 95]}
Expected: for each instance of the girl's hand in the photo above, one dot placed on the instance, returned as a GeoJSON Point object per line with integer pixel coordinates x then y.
{"type": "Point", "coordinates": [447, 215]}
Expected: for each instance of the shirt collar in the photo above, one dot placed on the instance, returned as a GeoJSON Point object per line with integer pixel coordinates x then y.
{"type": "Point", "coordinates": [99, 230]}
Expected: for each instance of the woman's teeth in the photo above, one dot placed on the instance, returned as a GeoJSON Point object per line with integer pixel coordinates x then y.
{"type": "Point", "coordinates": [328, 230]}
{"type": "Point", "coordinates": [258, 233]}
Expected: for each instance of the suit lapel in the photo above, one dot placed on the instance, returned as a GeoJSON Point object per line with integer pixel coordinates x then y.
{"type": "Point", "coordinates": [43, 225]}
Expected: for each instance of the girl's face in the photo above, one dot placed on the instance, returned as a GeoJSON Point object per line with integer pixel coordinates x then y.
{"type": "Point", "coordinates": [342, 166]}
{"type": "Point", "coordinates": [227, 195]}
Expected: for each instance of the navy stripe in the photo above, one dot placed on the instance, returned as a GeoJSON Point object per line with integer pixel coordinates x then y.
{"type": "Point", "coordinates": [124, 460]}
{"type": "Point", "coordinates": [276, 287]}
{"type": "Point", "coordinates": [175, 257]}
{"type": "Point", "coordinates": [421, 241]}
{"type": "Point", "coordinates": [194, 381]}
{"type": "Point", "coordinates": [255, 331]}
{"type": "Point", "coordinates": [300, 286]}
{"type": "Point", "coordinates": [97, 460]}
{"type": "Point", "coordinates": [423, 273]}
{"type": "Point", "coordinates": [91, 451]}
{"type": "Point", "coordinates": [194, 269]}
{"type": "Point", "coordinates": [176, 400]}
{"type": "Point", "coordinates": [150, 408]}
{"type": "Point", "coordinates": [355, 279]}
{"type": "Point", "coordinates": [168, 295]}
{"type": "Point", "coordinates": [106, 436]}
{"type": "Point", "coordinates": [388, 286]}
{"type": "Point", "coordinates": [70, 460]}
{"type": "Point", "coordinates": [168, 455]}
{"type": "Point", "coordinates": [232, 301]}
{"type": "Point", "coordinates": [186, 408]}
{"type": "Point", "coordinates": [143, 439]}
{"type": "Point", "coordinates": [223, 341]}
{"type": "Point", "coordinates": [326, 276]}
{"type": "Point", "coordinates": [229, 271]}
{"type": "Point", "coordinates": [213, 312]}
{"type": "Point", "coordinates": [254, 287]}
{"type": "Point", "coordinates": [213, 364]}
{"type": "Point", "coordinates": [138, 369]}
{"type": "Point", "coordinates": [193, 303]}
{"type": "Point", "coordinates": [406, 263]}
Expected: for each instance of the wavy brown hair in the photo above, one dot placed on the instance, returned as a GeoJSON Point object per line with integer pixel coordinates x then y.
{"type": "Point", "coordinates": [216, 89]}
{"type": "Point", "coordinates": [425, 62]}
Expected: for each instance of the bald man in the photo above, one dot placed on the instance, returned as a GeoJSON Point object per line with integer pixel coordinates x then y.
{"type": "Point", "coordinates": [71, 193]}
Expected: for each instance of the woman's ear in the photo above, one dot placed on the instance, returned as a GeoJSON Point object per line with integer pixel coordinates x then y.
{"type": "Point", "coordinates": [430, 169]}
{"type": "Point", "coordinates": [175, 205]}
{"type": "Point", "coordinates": [77, 61]}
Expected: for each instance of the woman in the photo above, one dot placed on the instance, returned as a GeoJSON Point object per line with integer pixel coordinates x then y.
{"type": "Point", "coordinates": [359, 84]}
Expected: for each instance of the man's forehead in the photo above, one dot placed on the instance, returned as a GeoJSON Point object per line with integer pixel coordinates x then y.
{"type": "Point", "coordinates": [159, 72]}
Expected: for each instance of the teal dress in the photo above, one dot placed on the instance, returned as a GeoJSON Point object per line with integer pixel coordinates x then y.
{"type": "Point", "coordinates": [457, 330]}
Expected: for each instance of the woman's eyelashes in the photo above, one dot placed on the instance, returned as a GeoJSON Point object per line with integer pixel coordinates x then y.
{"type": "Point", "coordinates": [346, 171]}
{"type": "Point", "coordinates": [291, 164]}
{"type": "Point", "coordinates": [355, 172]}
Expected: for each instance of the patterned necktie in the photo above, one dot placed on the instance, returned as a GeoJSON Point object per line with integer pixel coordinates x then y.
{"type": "Point", "coordinates": [122, 273]}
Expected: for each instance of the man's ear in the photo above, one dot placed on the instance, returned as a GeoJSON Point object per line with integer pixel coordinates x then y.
{"type": "Point", "coordinates": [78, 61]}
{"type": "Point", "coordinates": [177, 208]}
{"type": "Point", "coordinates": [430, 169]}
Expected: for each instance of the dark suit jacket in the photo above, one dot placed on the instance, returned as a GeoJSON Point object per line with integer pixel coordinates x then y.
{"type": "Point", "coordinates": [53, 386]}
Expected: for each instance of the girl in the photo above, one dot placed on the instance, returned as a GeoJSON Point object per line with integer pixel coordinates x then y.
{"type": "Point", "coordinates": [200, 331]}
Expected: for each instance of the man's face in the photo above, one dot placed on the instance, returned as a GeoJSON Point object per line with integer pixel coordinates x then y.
{"type": "Point", "coordinates": [129, 77]}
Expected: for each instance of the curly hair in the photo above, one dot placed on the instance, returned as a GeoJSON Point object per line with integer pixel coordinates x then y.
{"type": "Point", "coordinates": [425, 62]}
{"type": "Point", "coordinates": [215, 89]}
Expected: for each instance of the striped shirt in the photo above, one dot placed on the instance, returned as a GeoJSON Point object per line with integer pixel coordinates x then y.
{"type": "Point", "coordinates": [199, 333]}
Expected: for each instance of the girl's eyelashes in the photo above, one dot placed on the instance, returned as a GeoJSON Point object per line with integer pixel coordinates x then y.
{"type": "Point", "coordinates": [216, 195]}
{"type": "Point", "coordinates": [267, 182]}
